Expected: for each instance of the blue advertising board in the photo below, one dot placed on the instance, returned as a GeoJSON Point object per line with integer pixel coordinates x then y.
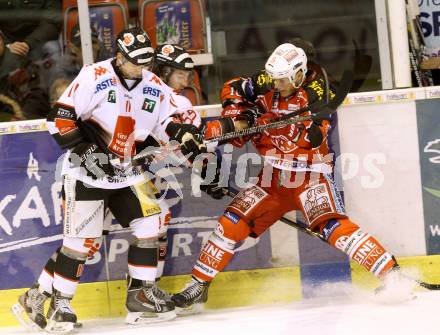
{"type": "Point", "coordinates": [31, 220]}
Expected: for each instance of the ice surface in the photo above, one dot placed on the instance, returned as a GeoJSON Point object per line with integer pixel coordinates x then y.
{"type": "Point", "coordinates": [354, 312]}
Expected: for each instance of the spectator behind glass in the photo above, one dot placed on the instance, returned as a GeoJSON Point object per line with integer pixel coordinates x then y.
{"type": "Point", "coordinates": [26, 26]}
{"type": "Point", "coordinates": [68, 66]}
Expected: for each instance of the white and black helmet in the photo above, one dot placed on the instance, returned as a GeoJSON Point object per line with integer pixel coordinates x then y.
{"type": "Point", "coordinates": [174, 56]}
{"type": "Point", "coordinates": [135, 45]}
{"type": "Point", "coordinates": [286, 61]}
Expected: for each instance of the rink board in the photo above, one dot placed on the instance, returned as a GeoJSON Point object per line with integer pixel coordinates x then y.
{"type": "Point", "coordinates": [230, 289]}
{"type": "Point", "coordinates": [388, 172]}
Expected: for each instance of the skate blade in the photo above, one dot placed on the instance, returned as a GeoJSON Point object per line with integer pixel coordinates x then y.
{"type": "Point", "coordinates": [191, 310]}
{"type": "Point", "coordinates": [135, 318]}
{"type": "Point", "coordinates": [20, 314]}
{"type": "Point", "coordinates": [54, 327]}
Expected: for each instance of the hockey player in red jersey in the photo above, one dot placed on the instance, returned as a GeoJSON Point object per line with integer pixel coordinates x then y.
{"type": "Point", "coordinates": [106, 115]}
{"type": "Point", "coordinates": [297, 176]}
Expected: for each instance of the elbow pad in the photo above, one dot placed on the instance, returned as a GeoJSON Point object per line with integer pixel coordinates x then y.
{"type": "Point", "coordinates": [63, 121]}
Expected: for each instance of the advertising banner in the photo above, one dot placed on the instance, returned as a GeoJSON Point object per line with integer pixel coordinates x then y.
{"type": "Point", "coordinates": [430, 17]}
{"type": "Point", "coordinates": [428, 123]}
{"type": "Point", "coordinates": [173, 24]}
{"type": "Point", "coordinates": [31, 219]}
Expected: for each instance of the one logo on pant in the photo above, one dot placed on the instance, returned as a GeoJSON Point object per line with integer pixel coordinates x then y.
{"type": "Point", "coordinates": [316, 202]}
{"type": "Point", "coordinates": [248, 199]}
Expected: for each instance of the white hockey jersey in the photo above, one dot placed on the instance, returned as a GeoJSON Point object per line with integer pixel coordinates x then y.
{"type": "Point", "coordinates": [185, 113]}
{"type": "Point", "coordinates": [117, 116]}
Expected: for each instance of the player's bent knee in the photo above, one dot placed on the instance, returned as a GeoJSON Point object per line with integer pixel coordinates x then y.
{"type": "Point", "coordinates": [146, 227]}
{"type": "Point", "coordinates": [80, 248]}
{"type": "Point", "coordinates": [334, 229]}
{"type": "Point", "coordinates": [233, 227]}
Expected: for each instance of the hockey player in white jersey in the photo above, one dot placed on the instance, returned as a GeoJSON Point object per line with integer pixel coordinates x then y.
{"type": "Point", "coordinates": [104, 118]}
{"type": "Point", "coordinates": [175, 67]}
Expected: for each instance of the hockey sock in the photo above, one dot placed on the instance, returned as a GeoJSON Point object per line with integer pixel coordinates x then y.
{"type": "Point", "coordinates": [69, 267]}
{"type": "Point", "coordinates": [358, 245]}
{"type": "Point", "coordinates": [45, 280]}
{"type": "Point", "coordinates": [163, 243]}
{"type": "Point", "coordinates": [142, 260]}
{"type": "Point", "coordinates": [213, 258]}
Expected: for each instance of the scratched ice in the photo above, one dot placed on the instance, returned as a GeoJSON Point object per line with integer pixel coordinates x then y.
{"type": "Point", "coordinates": [355, 312]}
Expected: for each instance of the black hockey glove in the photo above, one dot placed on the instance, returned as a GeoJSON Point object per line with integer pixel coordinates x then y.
{"type": "Point", "coordinates": [213, 189]}
{"type": "Point", "coordinates": [250, 115]}
{"type": "Point", "coordinates": [189, 137]}
{"type": "Point", "coordinates": [245, 87]}
{"type": "Point", "coordinates": [315, 135]}
{"type": "Point", "coordinates": [93, 159]}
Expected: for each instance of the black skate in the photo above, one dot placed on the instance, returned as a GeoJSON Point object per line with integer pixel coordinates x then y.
{"type": "Point", "coordinates": [29, 310]}
{"type": "Point", "coordinates": [61, 317]}
{"type": "Point", "coordinates": [192, 298]}
{"type": "Point", "coordinates": [146, 304]}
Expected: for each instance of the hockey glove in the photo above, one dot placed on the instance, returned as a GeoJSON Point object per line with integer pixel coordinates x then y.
{"type": "Point", "coordinates": [95, 161]}
{"type": "Point", "coordinates": [189, 137]}
{"type": "Point", "coordinates": [213, 189]}
{"type": "Point", "coordinates": [245, 87]}
{"type": "Point", "coordinates": [250, 115]}
{"type": "Point", "coordinates": [315, 135]}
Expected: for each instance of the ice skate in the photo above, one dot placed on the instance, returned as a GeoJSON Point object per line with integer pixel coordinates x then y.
{"type": "Point", "coordinates": [61, 318]}
{"type": "Point", "coordinates": [396, 287]}
{"type": "Point", "coordinates": [191, 299]}
{"type": "Point", "coordinates": [164, 295]}
{"type": "Point", "coordinates": [29, 310]}
{"type": "Point", "coordinates": [147, 304]}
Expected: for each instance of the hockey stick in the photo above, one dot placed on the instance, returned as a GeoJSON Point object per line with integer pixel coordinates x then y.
{"type": "Point", "coordinates": [308, 231]}
{"type": "Point", "coordinates": [328, 110]}
{"type": "Point", "coordinates": [338, 99]}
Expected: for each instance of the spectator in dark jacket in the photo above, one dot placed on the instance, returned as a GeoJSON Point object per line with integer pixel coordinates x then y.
{"type": "Point", "coordinates": [25, 27]}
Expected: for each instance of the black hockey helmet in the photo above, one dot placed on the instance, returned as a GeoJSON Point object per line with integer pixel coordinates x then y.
{"type": "Point", "coordinates": [174, 56]}
{"type": "Point", "coordinates": [171, 56]}
{"type": "Point", "coordinates": [135, 45]}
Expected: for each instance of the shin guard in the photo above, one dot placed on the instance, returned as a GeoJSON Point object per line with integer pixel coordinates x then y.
{"type": "Point", "coordinates": [358, 245]}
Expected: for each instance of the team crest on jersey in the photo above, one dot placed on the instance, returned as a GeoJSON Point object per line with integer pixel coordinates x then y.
{"type": "Point", "coordinates": [140, 38]}
{"type": "Point", "coordinates": [148, 105]}
{"type": "Point", "coordinates": [111, 96]}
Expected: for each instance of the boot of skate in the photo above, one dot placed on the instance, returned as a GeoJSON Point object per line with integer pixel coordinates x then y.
{"type": "Point", "coordinates": [61, 317]}
{"type": "Point", "coordinates": [145, 304]}
{"type": "Point", "coordinates": [29, 310]}
{"type": "Point", "coordinates": [192, 298]}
